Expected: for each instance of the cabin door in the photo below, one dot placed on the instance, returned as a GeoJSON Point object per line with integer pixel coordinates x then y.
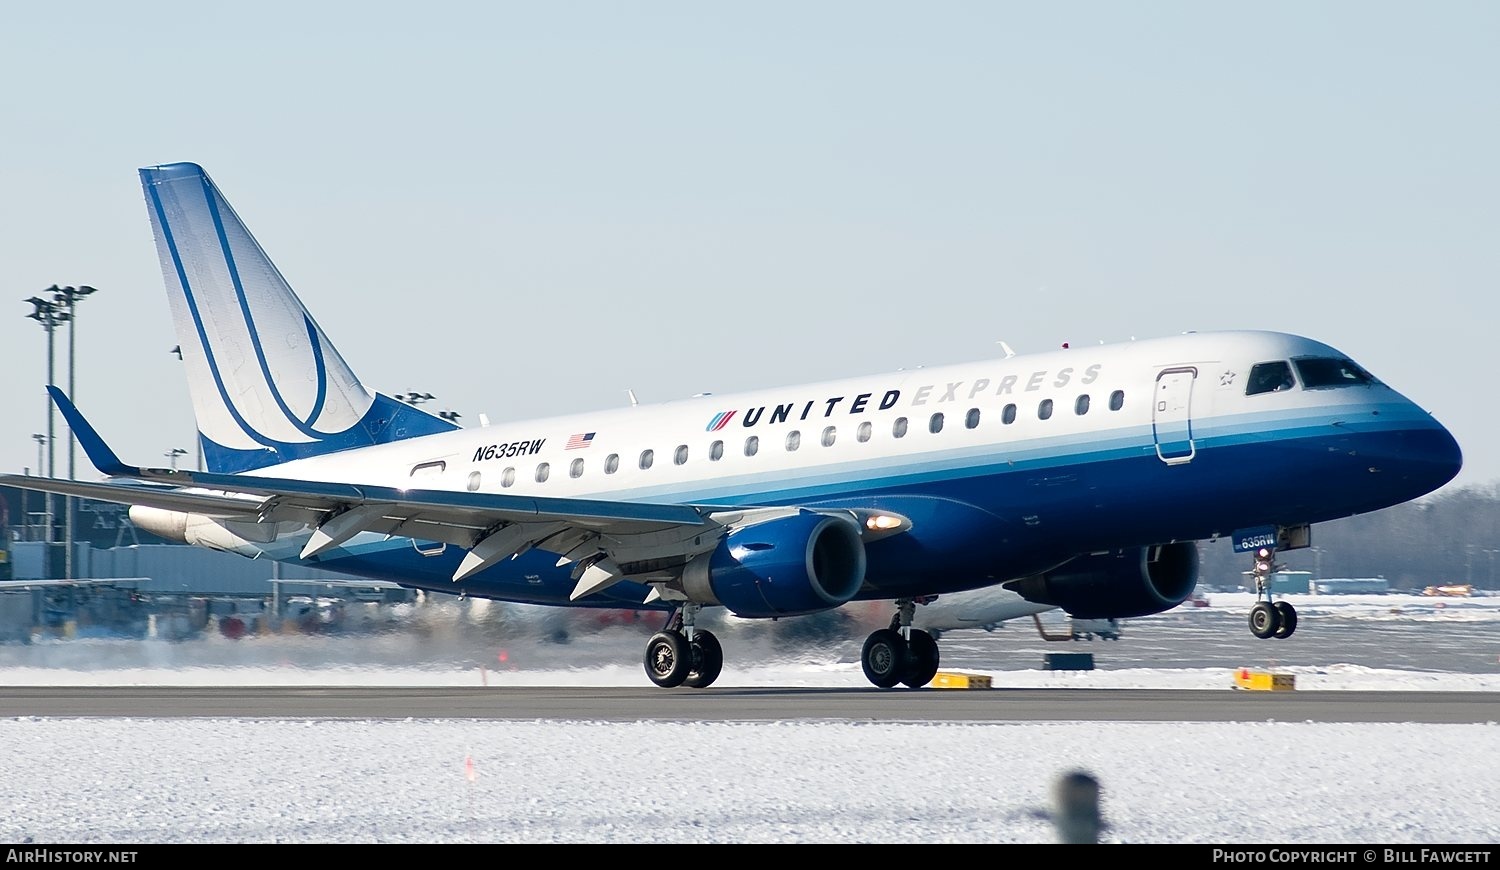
{"type": "Point", "coordinates": [1171, 415]}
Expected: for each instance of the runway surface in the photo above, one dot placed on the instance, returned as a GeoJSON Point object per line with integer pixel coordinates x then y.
{"type": "Point", "coordinates": [606, 704]}
{"type": "Point", "coordinates": [469, 662]}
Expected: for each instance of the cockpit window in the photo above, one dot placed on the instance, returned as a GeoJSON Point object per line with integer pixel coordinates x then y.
{"type": "Point", "coordinates": [1269, 377]}
{"type": "Point", "coordinates": [1321, 372]}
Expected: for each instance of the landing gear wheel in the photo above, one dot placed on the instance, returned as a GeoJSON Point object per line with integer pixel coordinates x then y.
{"type": "Point", "coordinates": [1288, 619]}
{"type": "Point", "coordinates": [1264, 619]}
{"type": "Point", "coordinates": [884, 657]}
{"type": "Point", "coordinates": [668, 659]}
{"type": "Point", "coordinates": [921, 660]}
{"type": "Point", "coordinates": [707, 660]}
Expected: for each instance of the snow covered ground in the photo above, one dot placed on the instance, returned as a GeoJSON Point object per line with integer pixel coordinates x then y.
{"type": "Point", "coordinates": [101, 781]}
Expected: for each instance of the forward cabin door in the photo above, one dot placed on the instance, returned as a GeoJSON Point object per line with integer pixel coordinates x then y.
{"type": "Point", "coordinates": [1172, 415]}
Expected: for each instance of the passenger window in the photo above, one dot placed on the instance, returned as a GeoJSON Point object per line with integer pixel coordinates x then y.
{"type": "Point", "coordinates": [543, 471]}
{"type": "Point", "coordinates": [473, 481]}
{"type": "Point", "coordinates": [612, 463]}
{"type": "Point", "coordinates": [647, 457]}
{"type": "Point", "coordinates": [1044, 410]}
{"type": "Point", "coordinates": [716, 451]}
{"type": "Point", "coordinates": [1008, 416]}
{"type": "Point", "coordinates": [898, 429]}
{"type": "Point", "coordinates": [864, 432]}
{"type": "Point", "coordinates": [829, 435]}
{"type": "Point", "coordinates": [508, 477]}
{"type": "Point", "coordinates": [1081, 405]}
{"type": "Point", "coordinates": [793, 440]}
{"type": "Point", "coordinates": [935, 423]}
{"type": "Point", "coordinates": [752, 445]}
{"type": "Point", "coordinates": [1269, 377]}
{"type": "Point", "coordinates": [681, 455]}
{"type": "Point", "coordinates": [576, 468]}
{"type": "Point", "coordinates": [1117, 400]}
{"type": "Point", "coordinates": [971, 419]}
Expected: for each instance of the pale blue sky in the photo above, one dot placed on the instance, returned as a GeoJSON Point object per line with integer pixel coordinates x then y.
{"type": "Point", "coordinates": [526, 209]}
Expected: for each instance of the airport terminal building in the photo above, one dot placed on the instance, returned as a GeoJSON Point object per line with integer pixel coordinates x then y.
{"type": "Point", "coordinates": [123, 579]}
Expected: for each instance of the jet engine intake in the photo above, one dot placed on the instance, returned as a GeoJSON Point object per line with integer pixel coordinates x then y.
{"type": "Point", "coordinates": [785, 566]}
{"type": "Point", "coordinates": [1135, 582]}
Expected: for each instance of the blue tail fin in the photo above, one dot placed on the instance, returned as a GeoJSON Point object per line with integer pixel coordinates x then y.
{"type": "Point", "coordinates": [267, 385]}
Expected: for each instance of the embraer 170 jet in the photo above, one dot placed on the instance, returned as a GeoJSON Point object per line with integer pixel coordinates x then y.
{"type": "Point", "coordinates": [1080, 478]}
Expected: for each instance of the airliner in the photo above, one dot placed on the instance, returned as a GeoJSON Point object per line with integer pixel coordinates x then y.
{"type": "Point", "coordinates": [1081, 478]}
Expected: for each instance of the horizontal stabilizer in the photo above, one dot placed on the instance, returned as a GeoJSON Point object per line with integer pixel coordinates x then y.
{"type": "Point", "coordinates": [94, 447]}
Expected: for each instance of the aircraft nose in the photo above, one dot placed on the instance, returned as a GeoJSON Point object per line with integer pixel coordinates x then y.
{"type": "Point", "coordinates": [1448, 456]}
{"type": "Point", "coordinates": [1427, 458]}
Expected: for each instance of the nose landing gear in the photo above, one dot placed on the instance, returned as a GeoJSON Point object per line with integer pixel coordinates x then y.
{"type": "Point", "coordinates": [1269, 618]}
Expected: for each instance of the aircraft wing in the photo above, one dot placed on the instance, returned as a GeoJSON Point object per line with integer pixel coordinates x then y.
{"type": "Point", "coordinates": [218, 505]}
{"type": "Point", "coordinates": [606, 540]}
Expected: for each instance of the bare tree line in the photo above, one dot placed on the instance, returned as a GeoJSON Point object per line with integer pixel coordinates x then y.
{"type": "Point", "coordinates": [1451, 537]}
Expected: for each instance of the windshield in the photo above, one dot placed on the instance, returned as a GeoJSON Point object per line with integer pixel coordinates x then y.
{"type": "Point", "coordinates": [1269, 377]}
{"type": "Point", "coordinates": [1320, 372]}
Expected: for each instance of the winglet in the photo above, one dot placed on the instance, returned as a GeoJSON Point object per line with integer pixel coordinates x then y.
{"type": "Point", "coordinates": [98, 452]}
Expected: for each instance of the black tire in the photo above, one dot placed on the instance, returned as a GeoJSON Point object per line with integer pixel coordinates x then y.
{"type": "Point", "coordinates": [921, 660]}
{"type": "Point", "coordinates": [1288, 621]}
{"type": "Point", "coordinates": [884, 658]}
{"type": "Point", "coordinates": [707, 660]}
{"type": "Point", "coordinates": [1264, 620]}
{"type": "Point", "coordinates": [668, 659]}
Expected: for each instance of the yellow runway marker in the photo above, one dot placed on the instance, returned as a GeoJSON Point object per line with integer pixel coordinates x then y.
{"type": "Point", "coordinates": [954, 680]}
{"type": "Point", "coordinates": [1264, 681]}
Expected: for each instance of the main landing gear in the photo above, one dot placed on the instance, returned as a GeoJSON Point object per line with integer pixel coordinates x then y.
{"type": "Point", "coordinates": [1269, 618]}
{"type": "Point", "coordinates": [681, 655]}
{"type": "Point", "coordinates": [900, 654]}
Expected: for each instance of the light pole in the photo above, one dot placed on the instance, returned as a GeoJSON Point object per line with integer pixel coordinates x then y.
{"type": "Point", "coordinates": [68, 298]}
{"type": "Point", "coordinates": [173, 454]}
{"type": "Point", "coordinates": [30, 532]}
{"type": "Point", "coordinates": [49, 314]}
{"type": "Point", "coordinates": [415, 398]}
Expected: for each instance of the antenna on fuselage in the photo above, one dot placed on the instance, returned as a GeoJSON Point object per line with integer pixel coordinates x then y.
{"type": "Point", "coordinates": [631, 394]}
{"type": "Point", "coordinates": [1005, 347]}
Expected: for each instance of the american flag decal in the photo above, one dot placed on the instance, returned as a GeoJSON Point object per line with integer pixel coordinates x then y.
{"type": "Point", "coordinates": [581, 440]}
{"type": "Point", "coordinates": [719, 421]}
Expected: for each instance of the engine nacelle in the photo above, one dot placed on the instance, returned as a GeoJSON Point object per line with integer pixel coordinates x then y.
{"type": "Point", "coordinates": [1135, 582]}
{"type": "Point", "coordinates": [230, 536]}
{"type": "Point", "coordinates": [781, 567]}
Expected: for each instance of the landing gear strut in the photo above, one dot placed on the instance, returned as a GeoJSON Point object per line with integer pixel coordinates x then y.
{"type": "Point", "coordinates": [901, 654]}
{"type": "Point", "coordinates": [1268, 618]}
{"type": "Point", "coordinates": [682, 655]}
